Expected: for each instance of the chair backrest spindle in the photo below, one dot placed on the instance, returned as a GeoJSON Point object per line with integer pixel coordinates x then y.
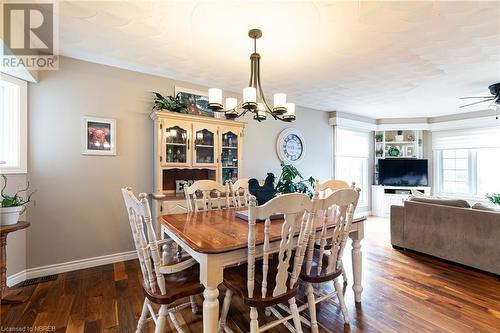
{"type": "Point", "coordinates": [239, 192]}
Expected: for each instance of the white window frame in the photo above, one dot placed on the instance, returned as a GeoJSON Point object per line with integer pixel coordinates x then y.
{"type": "Point", "coordinates": [472, 176]}
{"type": "Point", "coordinates": [22, 165]}
{"type": "Point", "coordinates": [365, 187]}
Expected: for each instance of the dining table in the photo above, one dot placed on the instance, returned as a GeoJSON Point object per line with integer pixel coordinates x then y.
{"type": "Point", "coordinates": [219, 238]}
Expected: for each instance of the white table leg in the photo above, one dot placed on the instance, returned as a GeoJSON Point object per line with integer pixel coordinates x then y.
{"type": "Point", "coordinates": [211, 275]}
{"type": "Point", "coordinates": [357, 260]}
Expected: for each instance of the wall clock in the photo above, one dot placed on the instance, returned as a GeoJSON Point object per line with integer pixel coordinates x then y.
{"type": "Point", "coordinates": [290, 146]}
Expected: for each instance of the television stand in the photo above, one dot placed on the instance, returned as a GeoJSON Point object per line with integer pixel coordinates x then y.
{"type": "Point", "coordinates": [383, 197]}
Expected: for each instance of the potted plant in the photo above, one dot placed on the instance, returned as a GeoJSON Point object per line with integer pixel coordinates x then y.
{"type": "Point", "coordinates": [288, 184]}
{"type": "Point", "coordinates": [169, 103]}
{"type": "Point", "coordinates": [494, 198]}
{"type": "Point", "coordinates": [13, 206]}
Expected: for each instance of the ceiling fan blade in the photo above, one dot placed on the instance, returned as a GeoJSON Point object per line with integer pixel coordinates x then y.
{"type": "Point", "coordinates": [476, 97]}
{"type": "Point", "coordinates": [486, 100]}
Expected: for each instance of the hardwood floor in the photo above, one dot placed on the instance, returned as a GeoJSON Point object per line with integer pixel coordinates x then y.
{"type": "Point", "coordinates": [403, 292]}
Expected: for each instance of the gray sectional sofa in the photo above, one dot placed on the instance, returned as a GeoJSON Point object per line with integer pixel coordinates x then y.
{"type": "Point", "coordinates": [448, 229]}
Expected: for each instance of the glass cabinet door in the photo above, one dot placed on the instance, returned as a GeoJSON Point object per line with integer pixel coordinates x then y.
{"type": "Point", "coordinates": [229, 156]}
{"type": "Point", "coordinates": [176, 140]}
{"type": "Point", "coordinates": [204, 146]}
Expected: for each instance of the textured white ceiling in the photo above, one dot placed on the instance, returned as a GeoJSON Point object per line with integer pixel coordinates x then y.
{"type": "Point", "coordinates": [378, 59]}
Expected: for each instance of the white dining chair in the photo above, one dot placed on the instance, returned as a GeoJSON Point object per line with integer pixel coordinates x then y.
{"type": "Point", "coordinates": [266, 282]}
{"type": "Point", "coordinates": [325, 189]}
{"type": "Point", "coordinates": [163, 284]}
{"type": "Point", "coordinates": [324, 265]}
{"type": "Point", "coordinates": [239, 192]}
{"type": "Point", "coordinates": [206, 194]}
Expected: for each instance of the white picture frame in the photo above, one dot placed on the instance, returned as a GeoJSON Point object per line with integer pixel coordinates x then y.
{"type": "Point", "coordinates": [98, 136]}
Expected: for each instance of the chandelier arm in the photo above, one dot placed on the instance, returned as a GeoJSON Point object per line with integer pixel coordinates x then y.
{"type": "Point", "coordinates": [251, 72]}
{"type": "Point", "coordinates": [238, 106]}
{"type": "Point", "coordinates": [256, 72]}
{"type": "Point", "coordinates": [261, 92]}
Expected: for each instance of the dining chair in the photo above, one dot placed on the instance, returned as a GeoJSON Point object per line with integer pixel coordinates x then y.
{"type": "Point", "coordinates": [163, 284]}
{"type": "Point", "coordinates": [320, 267]}
{"type": "Point", "coordinates": [325, 189]}
{"type": "Point", "coordinates": [330, 186]}
{"type": "Point", "coordinates": [239, 192]}
{"type": "Point", "coordinates": [266, 282]}
{"type": "Point", "coordinates": [200, 195]}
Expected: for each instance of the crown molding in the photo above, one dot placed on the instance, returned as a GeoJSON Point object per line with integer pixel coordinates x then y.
{"type": "Point", "coordinates": [430, 124]}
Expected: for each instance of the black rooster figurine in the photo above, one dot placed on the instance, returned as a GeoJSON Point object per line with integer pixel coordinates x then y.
{"type": "Point", "coordinates": [262, 193]}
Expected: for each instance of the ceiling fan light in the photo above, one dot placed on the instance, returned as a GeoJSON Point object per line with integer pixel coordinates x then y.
{"type": "Point", "coordinates": [279, 103]}
{"type": "Point", "coordinates": [215, 99]}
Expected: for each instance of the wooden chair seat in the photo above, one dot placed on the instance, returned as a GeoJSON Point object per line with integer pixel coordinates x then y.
{"type": "Point", "coordinates": [313, 276]}
{"type": "Point", "coordinates": [235, 279]}
{"type": "Point", "coordinates": [178, 285]}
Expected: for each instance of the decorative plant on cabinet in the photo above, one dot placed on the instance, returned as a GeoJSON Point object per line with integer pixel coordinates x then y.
{"type": "Point", "coordinates": [169, 103]}
{"type": "Point", "coordinates": [13, 206]}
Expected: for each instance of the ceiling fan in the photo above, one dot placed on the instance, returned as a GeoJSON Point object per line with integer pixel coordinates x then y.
{"type": "Point", "coordinates": [494, 97]}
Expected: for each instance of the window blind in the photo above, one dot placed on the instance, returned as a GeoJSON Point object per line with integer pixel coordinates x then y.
{"type": "Point", "coordinates": [351, 143]}
{"type": "Point", "coordinates": [486, 137]}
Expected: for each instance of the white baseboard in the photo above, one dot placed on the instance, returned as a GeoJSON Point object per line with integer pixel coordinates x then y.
{"type": "Point", "coordinates": [36, 272]}
{"type": "Point", "coordinates": [16, 278]}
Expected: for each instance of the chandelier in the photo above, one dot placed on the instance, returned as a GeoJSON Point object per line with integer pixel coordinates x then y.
{"type": "Point", "coordinates": [254, 99]}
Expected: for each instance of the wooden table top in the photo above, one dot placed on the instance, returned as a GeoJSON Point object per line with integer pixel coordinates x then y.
{"type": "Point", "coordinates": [5, 229]}
{"type": "Point", "coordinates": [219, 231]}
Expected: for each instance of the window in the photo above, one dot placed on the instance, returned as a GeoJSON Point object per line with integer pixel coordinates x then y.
{"type": "Point", "coordinates": [467, 161]}
{"type": "Point", "coordinates": [13, 125]}
{"type": "Point", "coordinates": [351, 159]}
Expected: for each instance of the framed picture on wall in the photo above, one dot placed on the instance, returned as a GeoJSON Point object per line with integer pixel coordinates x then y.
{"type": "Point", "coordinates": [196, 102]}
{"type": "Point", "coordinates": [98, 136]}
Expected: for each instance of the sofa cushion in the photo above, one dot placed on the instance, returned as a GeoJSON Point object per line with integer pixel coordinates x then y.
{"type": "Point", "coordinates": [481, 206]}
{"type": "Point", "coordinates": [443, 202]}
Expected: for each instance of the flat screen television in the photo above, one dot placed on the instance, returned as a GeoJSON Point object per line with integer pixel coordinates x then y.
{"type": "Point", "coordinates": [402, 172]}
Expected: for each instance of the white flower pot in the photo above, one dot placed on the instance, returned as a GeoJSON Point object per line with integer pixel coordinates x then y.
{"type": "Point", "coordinates": [10, 215]}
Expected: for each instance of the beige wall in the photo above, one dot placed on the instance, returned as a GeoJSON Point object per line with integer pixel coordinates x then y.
{"type": "Point", "coordinates": [79, 211]}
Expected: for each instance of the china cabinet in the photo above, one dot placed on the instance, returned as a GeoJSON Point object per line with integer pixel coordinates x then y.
{"type": "Point", "coordinates": [189, 148]}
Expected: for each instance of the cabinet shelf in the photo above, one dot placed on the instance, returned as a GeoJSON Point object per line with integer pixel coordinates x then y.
{"type": "Point", "coordinates": [175, 144]}
{"type": "Point", "coordinates": [229, 147]}
{"type": "Point", "coordinates": [399, 142]}
{"type": "Point", "coordinates": [204, 146]}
